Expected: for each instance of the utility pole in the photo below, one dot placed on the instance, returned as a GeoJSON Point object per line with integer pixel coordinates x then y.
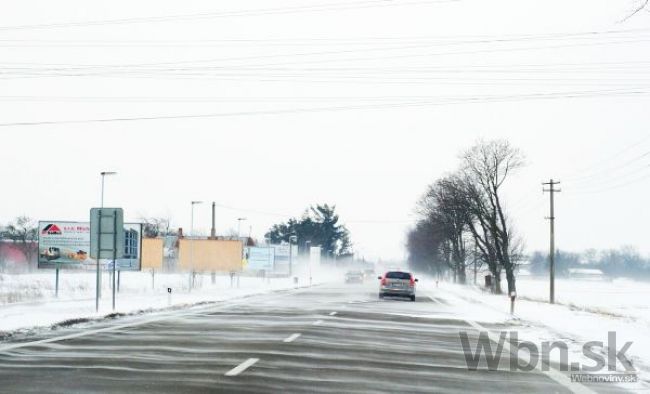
{"type": "Point", "coordinates": [552, 190]}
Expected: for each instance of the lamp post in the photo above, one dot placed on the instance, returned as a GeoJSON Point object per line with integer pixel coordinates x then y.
{"type": "Point", "coordinates": [192, 244]}
{"type": "Point", "coordinates": [104, 174]}
{"type": "Point", "coordinates": [239, 220]}
{"type": "Point", "coordinates": [99, 276]}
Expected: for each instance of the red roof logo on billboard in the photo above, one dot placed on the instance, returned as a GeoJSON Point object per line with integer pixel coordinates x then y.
{"type": "Point", "coordinates": [51, 229]}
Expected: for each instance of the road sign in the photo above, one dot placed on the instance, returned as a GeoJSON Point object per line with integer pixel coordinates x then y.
{"type": "Point", "coordinates": [106, 233]}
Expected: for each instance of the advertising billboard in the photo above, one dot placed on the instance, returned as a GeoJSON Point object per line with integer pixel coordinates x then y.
{"type": "Point", "coordinates": [63, 244]}
{"type": "Point", "coordinates": [282, 255]}
{"type": "Point", "coordinates": [259, 258]}
{"type": "Point", "coordinates": [210, 255]}
{"type": "Point", "coordinates": [153, 252]}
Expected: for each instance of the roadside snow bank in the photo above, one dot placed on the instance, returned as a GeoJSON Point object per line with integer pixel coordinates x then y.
{"type": "Point", "coordinates": [138, 292]}
{"type": "Point", "coordinates": [577, 323]}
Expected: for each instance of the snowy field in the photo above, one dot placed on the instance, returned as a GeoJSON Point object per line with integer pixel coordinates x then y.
{"type": "Point", "coordinates": [621, 297]}
{"type": "Point", "coordinates": [27, 301]}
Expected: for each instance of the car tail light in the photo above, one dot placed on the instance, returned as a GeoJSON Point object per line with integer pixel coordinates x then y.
{"type": "Point", "coordinates": [384, 282]}
{"type": "Point", "coordinates": [412, 284]}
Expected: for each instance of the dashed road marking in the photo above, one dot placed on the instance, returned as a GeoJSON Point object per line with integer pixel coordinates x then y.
{"type": "Point", "coordinates": [292, 338]}
{"type": "Point", "coordinates": [242, 367]}
{"type": "Point", "coordinates": [333, 314]}
{"type": "Point", "coordinates": [318, 322]}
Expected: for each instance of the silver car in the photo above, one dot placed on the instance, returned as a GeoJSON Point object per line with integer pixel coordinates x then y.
{"type": "Point", "coordinates": [397, 284]}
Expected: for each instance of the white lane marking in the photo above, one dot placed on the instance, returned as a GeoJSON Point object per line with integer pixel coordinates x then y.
{"type": "Point", "coordinates": [292, 338]}
{"type": "Point", "coordinates": [432, 299]}
{"type": "Point", "coordinates": [333, 314]}
{"type": "Point", "coordinates": [551, 373]}
{"type": "Point", "coordinates": [318, 322]}
{"type": "Point", "coordinates": [242, 367]}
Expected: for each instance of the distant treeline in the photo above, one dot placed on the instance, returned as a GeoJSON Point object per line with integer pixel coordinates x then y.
{"type": "Point", "coordinates": [622, 262]}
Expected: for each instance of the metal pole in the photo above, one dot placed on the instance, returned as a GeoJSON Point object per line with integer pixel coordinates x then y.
{"type": "Point", "coordinates": [213, 231]}
{"type": "Point", "coordinates": [99, 255]}
{"type": "Point", "coordinates": [101, 205]}
{"type": "Point", "coordinates": [191, 246]}
{"type": "Point", "coordinates": [552, 190]}
{"type": "Point", "coordinates": [308, 244]}
{"type": "Point", "coordinates": [114, 252]}
{"type": "Point", "coordinates": [102, 199]}
{"type": "Point", "coordinates": [56, 293]}
{"type": "Point", "coordinates": [290, 258]}
{"type": "Point", "coordinates": [552, 256]}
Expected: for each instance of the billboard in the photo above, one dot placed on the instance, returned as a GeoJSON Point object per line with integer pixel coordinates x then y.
{"type": "Point", "coordinates": [210, 255]}
{"type": "Point", "coordinates": [282, 255]}
{"type": "Point", "coordinates": [63, 244]}
{"type": "Point", "coordinates": [153, 252]}
{"type": "Point", "coordinates": [259, 258]}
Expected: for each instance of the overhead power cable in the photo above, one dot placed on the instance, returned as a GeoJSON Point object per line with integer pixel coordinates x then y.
{"type": "Point", "coordinates": [339, 6]}
{"type": "Point", "coordinates": [325, 109]}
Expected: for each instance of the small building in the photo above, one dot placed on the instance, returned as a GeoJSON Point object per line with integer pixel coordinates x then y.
{"type": "Point", "coordinates": [586, 273]}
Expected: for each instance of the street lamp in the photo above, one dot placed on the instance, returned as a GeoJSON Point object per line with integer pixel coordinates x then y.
{"type": "Point", "coordinates": [99, 277]}
{"type": "Point", "coordinates": [192, 243]}
{"type": "Point", "coordinates": [239, 220]}
{"type": "Point", "coordinates": [103, 174]}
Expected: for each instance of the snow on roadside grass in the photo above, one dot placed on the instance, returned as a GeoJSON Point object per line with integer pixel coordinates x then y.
{"type": "Point", "coordinates": [37, 307]}
{"type": "Point", "coordinates": [596, 309]}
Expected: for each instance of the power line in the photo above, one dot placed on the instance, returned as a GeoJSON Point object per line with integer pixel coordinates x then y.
{"type": "Point", "coordinates": [616, 186]}
{"type": "Point", "coordinates": [320, 109]}
{"type": "Point", "coordinates": [328, 41]}
{"type": "Point", "coordinates": [349, 5]}
{"type": "Point", "coordinates": [333, 52]}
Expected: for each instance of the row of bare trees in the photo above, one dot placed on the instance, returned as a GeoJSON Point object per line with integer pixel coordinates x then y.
{"type": "Point", "coordinates": [463, 219]}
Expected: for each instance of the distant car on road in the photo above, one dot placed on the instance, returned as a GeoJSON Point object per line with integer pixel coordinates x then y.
{"type": "Point", "coordinates": [354, 277]}
{"type": "Point", "coordinates": [397, 284]}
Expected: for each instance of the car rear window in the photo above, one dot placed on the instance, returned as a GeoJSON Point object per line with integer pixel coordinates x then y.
{"type": "Point", "coordinates": [398, 275]}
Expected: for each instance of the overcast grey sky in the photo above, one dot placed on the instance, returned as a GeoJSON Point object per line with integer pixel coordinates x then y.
{"type": "Point", "coordinates": [271, 106]}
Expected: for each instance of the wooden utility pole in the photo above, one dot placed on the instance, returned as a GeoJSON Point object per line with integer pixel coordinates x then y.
{"type": "Point", "coordinates": [552, 190]}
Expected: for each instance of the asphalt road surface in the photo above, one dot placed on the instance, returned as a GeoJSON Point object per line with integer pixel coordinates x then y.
{"type": "Point", "coordinates": [330, 338]}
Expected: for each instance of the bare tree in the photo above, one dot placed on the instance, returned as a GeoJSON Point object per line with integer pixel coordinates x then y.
{"type": "Point", "coordinates": [444, 206]}
{"type": "Point", "coordinates": [642, 4]}
{"type": "Point", "coordinates": [156, 226]}
{"type": "Point", "coordinates": [424, 245]}
{"type": "Point", "coordinates": [23, 231]}
{"type": "Point", "coordinates": [486, 167]}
